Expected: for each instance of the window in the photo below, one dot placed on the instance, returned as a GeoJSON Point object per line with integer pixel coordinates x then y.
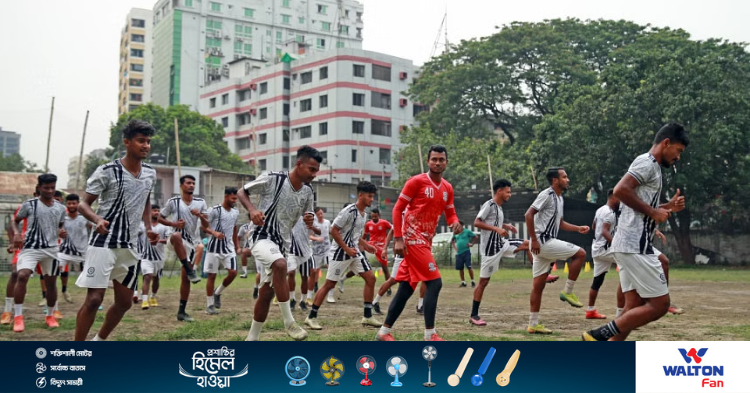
{"type": "Point", "coordinates": [324, 156]}
{"type": "Point", "coordinates": [268, 49]}
{"type": "Point", "coordinates": [243, 143]}
{"type": "Point", "coordinates": [212, 42]}
{"type": "Point", "coordinates": [136, 67]}
{"type": "Point", "coordinates": [286, 109]}
{"type": "Point", "coordinates": [138, 23]}
{"type": "Point", "coordinates": [285, 136]}
{"type": "Point", "coordinates": [188, 3]}
{"type": "Point", "coordinates": [380, 100]}
{"type": "Point", "coordinates": [136, 82]}
{"type": "Point", "coordinates": [321, 43]}
{"type": "Point", "coordinates": [287, 84]}
{"type": "Point", "coordinates": [305, 105]}
{"type": "Point", "coordinates": [323, 73]}
{"type": "Point", "coordinates": [216, 7]}
{"type": "Point", "coordinates": [346, 13]}
{"type": "Point", "coordinates": [359, 17]}
{"type": "Point", "coordinates": [302, 20]}
{"type": "Point", "coordinates": [285, 162]}
{"type": "Point", "coordinates": [137, 38]}
{"type": "Point", "coordinates": [262, 164]}
{"type": "Point", "coordinates": [286, 19]}
{"type": "Point", "coordinates": [304, 132]}
{"type": "Point", "coordinates": [225, 99]}
{"type": "Point", "coordinates": [323, 101]}
{"type": "Point", "coordinates": [380, 127]}
{"type": "Point", "coordinates": [136, 97]}
{"type": "Point", "coordinates": [248, 49]}
{"type": "Point", "coordinates": [322, 9]}
{"type": "Point", "coordinates": [225, 122]}
{"type": "Point", "coordinates": [268, 33]}
{"type": "Point", "coordinates": [242, 119]}
{"type": "Point", "coordinates": [417, 109]}
{"type": "Point", "coordinates": [306, 77]}
{"type": "Point", "coordinates": [278, 37]}
{"type": "Point", "coordinates": [263, 113]}
{"type": "Point", "coordinates": [249, 12]}
{"type": "Point", "coordinates": [278, 52]}
{"type": "Point", "coordinates": [285, 3]}
{"type": "Point", "coordinates": [212, 103]}
{"type": "Point", "coordinates": [358, 127]}
{"type": "Point", "coordinates": [343, 29]}
{"type": "Point", "coordinates": [359, 70]}
{"type": "Point", "coordinates": [136, 52]}
{"type": "Point", "coordinates": [358, 99]}
{"type": "Point", "coordinates": [300, 39]}
{"type": "Point", "coordinates": [262, 139]}
{"type": "Point", "coordinates": [264, 88]}
{"type": "Point", "coordinates": [354, 155]}
{"type": "Point", "coordinates": [381, 73]}
{"type": "Point", "coordinates": [214, 61]}
{"type": "Point", "coordinates": [323, 129]}
{"type": "Point", "coordinates": [326, 26]}
{"type": "Point", "coordinates": [340, 44]}
{"type": "Point", "coordinates": [385, 156]}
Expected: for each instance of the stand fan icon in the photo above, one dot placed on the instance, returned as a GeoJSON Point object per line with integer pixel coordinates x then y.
{"type": "Point", "coordinates": [429, 353]}
{"type": "Point", "coordinates": [395, 367]}
{"type": "Point", "coordinates": [366, 365]}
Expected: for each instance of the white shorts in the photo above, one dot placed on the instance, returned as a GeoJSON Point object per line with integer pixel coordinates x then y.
{"type": "Point", "coordinates": [70, 258]}
{"type": "Point", "coordinates": [189, 249]}
{"type": "Point", "coordinates": [45, 257]}
{"type": "Point", "coordinates": [603, 263]}
{"type": "Point", "coordinates": [213, 260]}
{"type": "Point", "coordinates": [643, 274]}
{"type": "Point", "coordinates": [293, 261]}
{"type": "Point", "coordinates": [151, 267]}
{"type": "Point", "coordinates": [320, 261]}
{"type": "Point", "coordinates": [492, 263]}
{"type": "Point", "coordinates": [109, 264]}
{"type": "Point", "coordinates": [338, 269]}
{"type": "Point", "coordinates": [551, 251]}
{"type": "Point", "coordinates": [258, 266]}
{"type": "Point", "coordinates": [266, 253]}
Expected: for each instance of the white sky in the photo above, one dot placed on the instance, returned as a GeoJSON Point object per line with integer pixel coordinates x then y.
{"type": "Point", "coordinates": [69, 49]}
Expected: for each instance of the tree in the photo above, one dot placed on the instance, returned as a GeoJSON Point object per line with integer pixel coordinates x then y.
{"type": "Point", "coordinates": [201, 138]}
{"type": "Point", "coordinates": [16, 163]}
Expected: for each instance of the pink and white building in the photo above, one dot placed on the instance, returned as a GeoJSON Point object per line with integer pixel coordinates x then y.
{"type": "Point", "coordinates": [347, 103]}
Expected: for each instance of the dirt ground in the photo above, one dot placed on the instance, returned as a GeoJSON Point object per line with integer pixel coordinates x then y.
{"type": "Point", "coordinates": [714, 303]}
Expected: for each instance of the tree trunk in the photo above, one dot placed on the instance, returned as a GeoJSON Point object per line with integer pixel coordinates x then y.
{"type": "Point", "coordinates": [680, 224]}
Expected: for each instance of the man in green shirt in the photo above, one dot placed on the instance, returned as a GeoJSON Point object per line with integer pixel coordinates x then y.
{"type": "Point", "coordinates": [462, 244]}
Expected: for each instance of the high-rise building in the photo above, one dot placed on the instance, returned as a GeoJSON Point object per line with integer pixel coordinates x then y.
{"type": "Point", "coordinates": [195, 40]}
{"type": "Point", "coordinates": [10, 142]}
{"type": "Point", "coordinates": [74, 182]}
{"type": "Point", "coordinates": [347, 103]}
{"type": "Point", "coordinates": [136, 42]}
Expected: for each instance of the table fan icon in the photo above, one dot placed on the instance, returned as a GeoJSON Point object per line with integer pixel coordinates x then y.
{"type": "Point", "coordinates": [429, 353]}
{"type": "Point", "coordinates": [396, 366]}
{"type": "Point", "coordinates": [332, 369]}
{"type": "Point", "coordinates": [297, 369]}
{"type": "Point", "coordinates": [366, 365]}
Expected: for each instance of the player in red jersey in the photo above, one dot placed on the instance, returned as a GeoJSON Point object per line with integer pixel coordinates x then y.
{"type": "Point", "coordinates": [427, 196]}
{"type": "Point", "coordinates": [377, 229]}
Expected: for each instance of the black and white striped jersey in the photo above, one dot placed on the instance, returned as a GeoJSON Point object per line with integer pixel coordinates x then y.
{"type": "Point", "coordinates": [243, 234]}
{"type": "Point", "coordinates": [600, 245]}
{"type": "Point", "coordinates": [176, 209]}
{"type": "Point", "coordinates": [324, 247]}
{"type": "Point", "coordinates": [351, 224]}
{"type": "Point", "coordinates": [300, 240]}
{"type": "Point", "coordinates": [490, 242]}
{"type": "Point", "coordinates": [78, 235]}
{"type": "Point", "coordinates": [281, 204]}
{"type": "Point", "coordinates": [635, 231]}
{"type": "Point", "coordinates": [148, 251]}
{"type": "Point", "coordinates": [42, 223]}
{"type": "Point", "coordinates": [122, 199]}
{"type": "Point", "coordinates": [547, 221]}
{"type": "Point", "coordinates": [221, 220]}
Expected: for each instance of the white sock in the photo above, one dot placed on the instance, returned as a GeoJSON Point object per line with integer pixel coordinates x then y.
{"type": "Point", "coordinates": [569, 286]}
{"type": "Point", "coordinates": [145, 298]}
{"type": "Point", "coordinates": [618, 312]}
{"type": "Point", "coordinates": [330, 294]}
{"type": "Point", "coordinates": [55, 308]}
{"type": "Point", "coordinates": [292, 295]}
{"type": "Point", "coordinates": [303, 297]}
{"type": "Point", "coordinates": [421, 302]}
{"type": "Point", "coordinates": [286, 313]}
{"type": "Point", "coordinates": [8, 304]}
{"type": "Point", "coordinates": [97, 338]}
{"type": "Point", "coordinates": [255, 328]}
{"type": "Point", "coordinates": [219, 290]}
{"type": "Point", "coordinates": [384, 330]}
{"type": "Point", "coordinates": [209, 301]}
{"type": "Point", "coordinates": [256, 287]}
{"type": "Point", "coordinates": [590, 308]}
{"type": "Point", "coordinates": [51, 311]}
{"type": "Point", "coordinates": [135, 294]}
{"type": "Point", "coordinates": [18, 309]}
{"type": "Point", "coordinates": [244, 270]}
{"type": "Point", "coordinates": [533, 319]}
{"type": "Point", "coordinates": [377, 299]}
{"type": "Point", "coordinates": [428, 333]}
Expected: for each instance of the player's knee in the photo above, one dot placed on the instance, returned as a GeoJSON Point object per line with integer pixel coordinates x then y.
{"type": "Point", "coordinates": [580, 254]}
{"type": "Point", "coordinates": [175, 238]}
{"type": "Point", "coordinates": [93, 301]}
{"type": "Point", "coordinates": [23, 276]}
{"type": "Point", "coordinates": [598, 281]}
{"type": "Point", "coordinates": [369, 279]}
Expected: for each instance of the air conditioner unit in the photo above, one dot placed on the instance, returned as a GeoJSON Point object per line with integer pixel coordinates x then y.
{"type": "Point", "coordinates": [402, 102]}
{"type": "Point", "coordinates": [253, 111]}
{"type": "Point", "coordinates": [227, 37]}
{"type": "Point", "coordinates": [239, 39]}
{"type": "Point", "coordinates": [402, 75]}
{"type": "Point", "coordinates": [253, 86]}
{"type": "Point", "coordinates": [237, 57]}
{"type": "Point", "coordinates": [401, 128]}
{"type": "Point", "coordinates": [225, 66]}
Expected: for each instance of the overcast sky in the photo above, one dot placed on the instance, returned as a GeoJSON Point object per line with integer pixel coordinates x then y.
{"type": "Point", "coordinates": [69, 49]}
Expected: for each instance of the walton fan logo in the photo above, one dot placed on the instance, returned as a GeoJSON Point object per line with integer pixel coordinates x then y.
{"type": "Point", "coordinates": [691, 355]}
{"type": "Point", "coordinates": [696, 356]}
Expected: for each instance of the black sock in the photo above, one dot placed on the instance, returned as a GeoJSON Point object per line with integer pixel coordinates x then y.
{"type": "Point", "coordinates": [65, 288]}
{"type": "Point", "coordinates": [44, 294]}
{"type": "Point", "coordinates": [368, 310]}
{"type": "Point", "coordinates": [314, 311]}
{"type": "Point", "coordinates": [183, 304]}
{"type": "Point", "coordinates": [604, 333]}
{"type": "Point", "coordinates": [186, 264]}
{"type": "Point", "coordinates": [475, 309]}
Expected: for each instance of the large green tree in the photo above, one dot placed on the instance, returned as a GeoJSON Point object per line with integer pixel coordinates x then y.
{"type": "Point", "coordinates": [201, 138]}
{"type": "Point", "coordinates": [16, 163]}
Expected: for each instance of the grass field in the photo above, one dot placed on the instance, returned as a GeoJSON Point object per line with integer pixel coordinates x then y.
{"type": "Point", "coordinates": [714, 301]}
